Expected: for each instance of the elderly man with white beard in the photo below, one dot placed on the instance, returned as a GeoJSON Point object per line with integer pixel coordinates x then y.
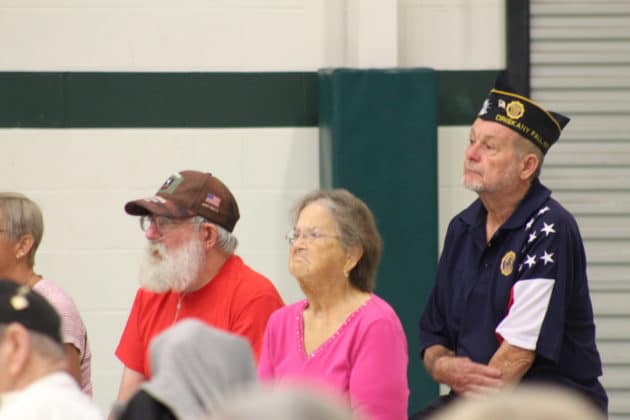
{"type": "Point", "coordinates": [189, 270]}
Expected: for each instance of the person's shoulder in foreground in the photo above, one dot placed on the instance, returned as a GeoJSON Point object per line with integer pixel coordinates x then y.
{"type": "Point", "coordinates": [54, 397]}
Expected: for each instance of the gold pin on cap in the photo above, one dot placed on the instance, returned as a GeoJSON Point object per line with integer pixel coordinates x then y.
{"type": "Point", "coordinates": [19, 301]}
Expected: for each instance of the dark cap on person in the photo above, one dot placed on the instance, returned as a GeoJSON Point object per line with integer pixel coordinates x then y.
{"type": "Point", "coordinates": [187, 194]}
{"type": "Point", "coordinates": [507, 107]}
{"type": "Point", "coordinates": [23, 305]}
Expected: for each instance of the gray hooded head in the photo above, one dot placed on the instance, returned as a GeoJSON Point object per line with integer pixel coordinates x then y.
{"type": "Point", "coordinates": [195, 366]}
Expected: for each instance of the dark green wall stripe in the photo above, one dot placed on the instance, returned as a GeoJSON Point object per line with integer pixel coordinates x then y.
{"type": "Point", "coordinates": [71, 99]}
{"type": "Point", "coordinates": [93, 100]}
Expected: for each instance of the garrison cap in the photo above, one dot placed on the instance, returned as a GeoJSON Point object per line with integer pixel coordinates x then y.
{"type": "Point", "coordinates": [521, 114]}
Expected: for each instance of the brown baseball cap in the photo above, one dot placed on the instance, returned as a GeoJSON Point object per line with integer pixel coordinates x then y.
{"type": "Point", "coordinates": [187, 194]}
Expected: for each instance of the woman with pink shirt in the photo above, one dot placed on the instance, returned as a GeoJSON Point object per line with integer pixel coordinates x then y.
{"type": "Point", "coordinates": [342, 337]}
{"type": "Point", "coordinates": [21, 232]}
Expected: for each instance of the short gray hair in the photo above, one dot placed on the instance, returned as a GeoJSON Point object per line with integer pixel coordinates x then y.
{"type": "Point", "coordinates": [42, 344]}
{"type": "Point", "coordinates": [226, 241]}
{"type": "Point", "coordinates": [22, 216]}
{"type": "Point", "coordinates": [522, 146]}
{"type": "Point", "coordinates": [356, 227]}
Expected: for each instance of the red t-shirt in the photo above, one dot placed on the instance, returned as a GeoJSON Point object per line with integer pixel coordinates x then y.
{"type": "Point", "coordinates": [237, 299]}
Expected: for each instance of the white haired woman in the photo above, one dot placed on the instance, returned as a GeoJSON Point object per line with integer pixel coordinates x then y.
{"type": "Point", "coordinates": [342, 336]}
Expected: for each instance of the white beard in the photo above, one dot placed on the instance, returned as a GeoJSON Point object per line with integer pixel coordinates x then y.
{"type": "Point", "coordinates": [509, 179]}
{"type": "Point", "coordinates": [175, 271]}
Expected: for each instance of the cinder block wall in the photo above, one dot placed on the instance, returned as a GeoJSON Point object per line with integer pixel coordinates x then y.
{"type": "Point", "coordinates": [82, 177]}
{"type": "Point", "coordinates": [453, 35]}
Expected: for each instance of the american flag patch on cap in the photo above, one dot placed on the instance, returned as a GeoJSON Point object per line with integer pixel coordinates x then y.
{"type": "Point", "coordinates": [213, 200]}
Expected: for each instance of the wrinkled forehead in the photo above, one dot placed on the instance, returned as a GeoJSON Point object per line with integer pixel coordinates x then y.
{"type": "Point", "coordinates": [483, 129]}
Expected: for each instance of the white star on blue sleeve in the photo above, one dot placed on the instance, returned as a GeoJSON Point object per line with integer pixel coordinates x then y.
{"type": "Point", "coordinates": [532, 237]}
{"type": "Point", "coordinates": [529, 224]}
{"type": "Point", "coordinates": [531, 261]}
{"type": "Point", "coordinates": [543, 210]}
{"type": "Point", "coordinates": [548, 229]}
{"type": "Point", "coordinates": [547, 258]}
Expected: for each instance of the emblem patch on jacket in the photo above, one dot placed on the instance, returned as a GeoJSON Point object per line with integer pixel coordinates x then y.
{"type": "Point", "coordinates": [507, 263]}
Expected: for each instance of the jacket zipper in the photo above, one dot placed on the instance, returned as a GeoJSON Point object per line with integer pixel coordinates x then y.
{"type": "Point", "coordinates": [180, 298]}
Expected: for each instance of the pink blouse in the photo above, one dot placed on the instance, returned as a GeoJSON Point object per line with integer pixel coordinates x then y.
{"type": "Point", "coordinates": [72, 326]}
{"type": "Point", "coordinates": [365, 360]}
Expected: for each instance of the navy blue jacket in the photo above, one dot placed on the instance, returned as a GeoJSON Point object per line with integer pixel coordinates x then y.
{"type": "Point", "coordinates": [527, 285]}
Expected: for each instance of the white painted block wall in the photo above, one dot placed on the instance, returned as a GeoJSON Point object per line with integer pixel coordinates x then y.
{"type": "Point", "coordinates": [82, 178]}
{"type": "Point", "coordinates": [452, 35]}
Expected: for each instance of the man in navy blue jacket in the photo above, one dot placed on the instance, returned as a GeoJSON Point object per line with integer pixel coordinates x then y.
{"type": "Point", "coordinates": [511, 301]}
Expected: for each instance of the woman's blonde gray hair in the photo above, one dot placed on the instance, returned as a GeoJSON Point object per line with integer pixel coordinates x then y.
{"type": "Point", "coordinates": [22, 216]}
